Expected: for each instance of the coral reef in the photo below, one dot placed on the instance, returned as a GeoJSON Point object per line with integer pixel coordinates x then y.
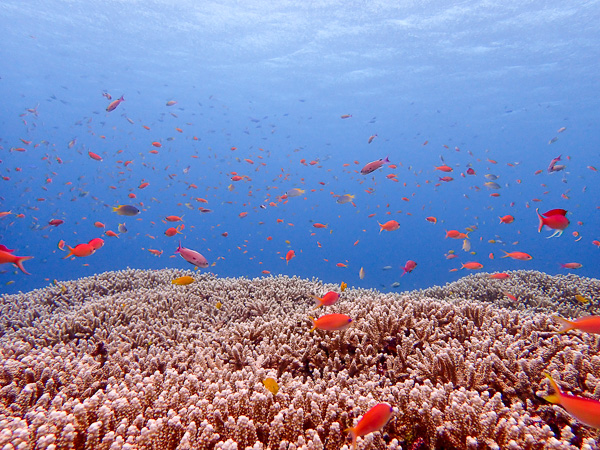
{"type": "Point", "coordinates": [128, 360]}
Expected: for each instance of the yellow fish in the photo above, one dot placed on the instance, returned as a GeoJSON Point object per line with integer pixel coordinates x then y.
{"type": "Point", "coordinates": [183, 281]}
{"type": "Point", "coordinates": [219, 305]}
{"type": "Point", "coordinates": [582, 299]}
{"type": "Point", "coordinates": [343, 286]}
{"type": "Point", "coordinates": [271, 385]}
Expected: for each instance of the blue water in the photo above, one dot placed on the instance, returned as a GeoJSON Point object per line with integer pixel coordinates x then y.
{"type": "Point", "coordinates": [477, 82]}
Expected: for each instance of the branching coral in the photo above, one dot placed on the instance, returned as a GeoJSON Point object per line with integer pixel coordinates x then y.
{"type": "Point", "coordinates": [128, 360]}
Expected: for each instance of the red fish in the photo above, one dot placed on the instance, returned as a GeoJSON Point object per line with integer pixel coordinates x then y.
{"type": "Point", "coordinates": [374, 165]}
{"type": "Point", "coordinates": [327, 300]}
{"type": "Point", "coordinates": [554, 219]}
{"type": "Point", "coordinates": [470, 171]}
{"type": "Point", "coordinates": [499, 276]}
{"type": "Point", "coordinates": [80, 250]}
{"type": "Point", "coordinates": [56, 222]}
{"type": "Point", "coordinates": [472, 266]}
{"type": "Point", "coordinates": [114, 104]}
{"type": "Point", "coordinates": [517, 255]}
{"type": "Point", "coordinates": [409, 267]}
{"type": "Point", "coordinates": [289, 255]}
{"type": "Point", "coordinates": [586, 410]}
{"type": "Point", "coordinates": [7, 257]}
{"type": "Point", "coordinates": [390, 225]}
{"type": "Point", "coordinates": [331, 322]}
{"type": "Point", "coordinates": [571, 265]}
{"type": "Point", "coordinates": [507, 219]}
{"type": "Point", "coordinates": [373, 420]}
{"type": "Point", "coordinates": [96, 243]}
{"type": "Point", "coordinates": [589, 324]}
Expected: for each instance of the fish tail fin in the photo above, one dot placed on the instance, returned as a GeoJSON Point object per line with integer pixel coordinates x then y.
{"type": "Point", "coordinates": [387, 158]}
{"type": "Point", "coordinates": [122, 98]}
{"type": "Point", "coordinates": [556, 397]}
{"type": "Point", "coordinates": [380, 227]}
{"type": "Point", "coordinates": [541, 224]}
{"type": "Point", "coordinates": [178, 248]}
{"type": "Point", "coordinates": [314, 323]}
{"type": "Point", "coordinates": [565, 325]}
{"type": "Point", "coordinates": [505, 254]}
{"type": "Point", "coordinates": [115, 208]}
{"type": "Point", "coordinates": [19, 263]}
{"type": "Point", "coordinates": [318, 302]}
{"type": "Point", "coordinates": [352, 432]}
{"type": "Point", "coordinates": [70, 252]}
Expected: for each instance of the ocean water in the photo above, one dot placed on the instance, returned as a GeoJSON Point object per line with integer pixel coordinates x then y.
{"type": "Point", "coordinates": [470, 84]}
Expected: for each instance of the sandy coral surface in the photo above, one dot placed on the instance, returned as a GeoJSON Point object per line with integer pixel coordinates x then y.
{"type": "Point", "coordinates": [128, 360]}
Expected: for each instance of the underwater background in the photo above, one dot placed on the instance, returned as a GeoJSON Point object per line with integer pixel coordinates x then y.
{"type": "Point", "coordinates": [287, 95]}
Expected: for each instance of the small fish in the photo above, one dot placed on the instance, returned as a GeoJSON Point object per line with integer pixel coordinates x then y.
{"type": "Point", "coordinates": [554, 219]}
{"type": "Point", "coordinates": [289, 255]}
{"type": "Point", "coordinates": [192, 256]}
{"type": "Point", "coordinates": [295, 192]}
{"type": "Point", "coordinates": [371, 138]}
{"type": "Point", "coordinates": [507, 219]}
{"type": "Point", "coordinates": [466, 245]}
{"type": "Point", "coordinates": [327, 300]}
{"type": "Point", "coordinates": [470, 171]}
{"type": "Point", "coordinates": [582, 299]}
{"type": "Point", "coordinates": [390, 225]}
{"type": "Point", "coordinates": [343, 286]}
{"type": "Point", "coordinates": [96, 243]}
{"type": "Point", "coordinates": [408, 267]}
{"type": "Point", "coordinates": [271, 385]}
{"type": "Point", "coordinates": [585, 410]}
{"type": "Point", "coordinates": [517, 255]}
{"type": "Point", "coordinates": [346, 116]}
{"type": "Point", "coordinates": [571, 265]}
{"type": "Point", "coordinates": [472, 266]}
{"type": "Point", "coordinates": [455, 234]}
{"type": "Point", "coordinates": [431, 219]}
{"type": "Point", "coordinates": [553, 140]}
{"type": "Point", "coordinates": [395, 284]}
{"type": "Point", "coordinates": [183, 281]}
{"type": "Point", "coordinates": [499, 276]}
{"type": "Point", "coordinates": [218, 305]}
{"type": "Point", "coordinates": [374, 165]}
{"type": "Point", "coordinates": [112, 105]}
{"type": "Point", "coordinates": [122, 228]}
{"type": "Point", "coordinates": [171, 103]}
{"type": "Point", "coordinates": [126, 210]}
{"type": "Point", "coordinates": [373, 420]}
{"type": "Point", "coordinates": [491, 176]}
{"type": "Point", "coordinates": [492, 185]}
{"type": "Point", "coordinates": [331, 322]}
{"type": "Point", "coordinates": [80, 250]}
{"type": "Point", "coordinates": [386, 268]}
{"type": "Point", "coordinates": [361, 273]}
{"type": "Point", "coordinates": [346, 198]}
{"type": "Point", "coordinates": [56, 222]}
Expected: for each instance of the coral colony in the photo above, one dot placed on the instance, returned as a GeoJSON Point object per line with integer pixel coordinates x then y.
{"type": "Point", "coordinates": [128, 360]}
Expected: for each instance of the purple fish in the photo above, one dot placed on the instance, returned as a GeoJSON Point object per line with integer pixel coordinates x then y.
{"type": "Point", "coordinates": [409, 267]}
{"type": "Point", "coordinates": [192, 256]}
{"type": "Point", "coordinates": [372, 166]}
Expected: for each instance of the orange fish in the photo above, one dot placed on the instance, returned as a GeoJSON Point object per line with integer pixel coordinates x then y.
{"type": "Point", "coordinates": [7, 257]}
{"type": "Point", "coordinates": [331, 322]}
{"type": "Point", "coordinates": [518, 255]}
{"type": "Point", "coordinates": [143, 185]}
{"type": "Point", "coordinates": [341, 265]}
{"type": "Point", "coordinates": [98, 224]}
{"type": "Point", "coordinates": [390, 225]}
{"type": "Point", "coordinates": [431, 219]}
{"type": "Point", "coordinates": [319, 225]}
{"type": "Point", "coordinates": [571, 265]}
{"type": "Point", "coordinates": [112, 105]}
{"type": "Point", "coordinates": [327, 300]}
{"type": "Point", "coordinates": [589, 324]}
{"type": "Point", "coordinates": [444, 168]}
{"type": "Point", "coordinates": [157, 144]}
{"type": "Point", "coordinates": [111, 233]}
{"type": "Point", "coordinates": [96, 243]}
{"type": "Point", "coordinates": [80, 250]}
{"type": "Point", "coordinates": [289, 255]}
{"type": "Point", "coordinates": [507, 219]}
{"type": "Point", "coordinates": [455, 234]}
{"type": "Point", "coordinates": [373, 420]}
{"type": "Point", "coordinates": [172, 231]}
{"type": "Point", "coordinates": [585, 410]}
{"type": "Point", "coordinates": [472, 266]}
{"type": "Point", "coordinates": [499, 276]}
{"type": "Point", "coordinates": [155, 252]}
{"type": "Point", "coordinates": [174, 218]}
